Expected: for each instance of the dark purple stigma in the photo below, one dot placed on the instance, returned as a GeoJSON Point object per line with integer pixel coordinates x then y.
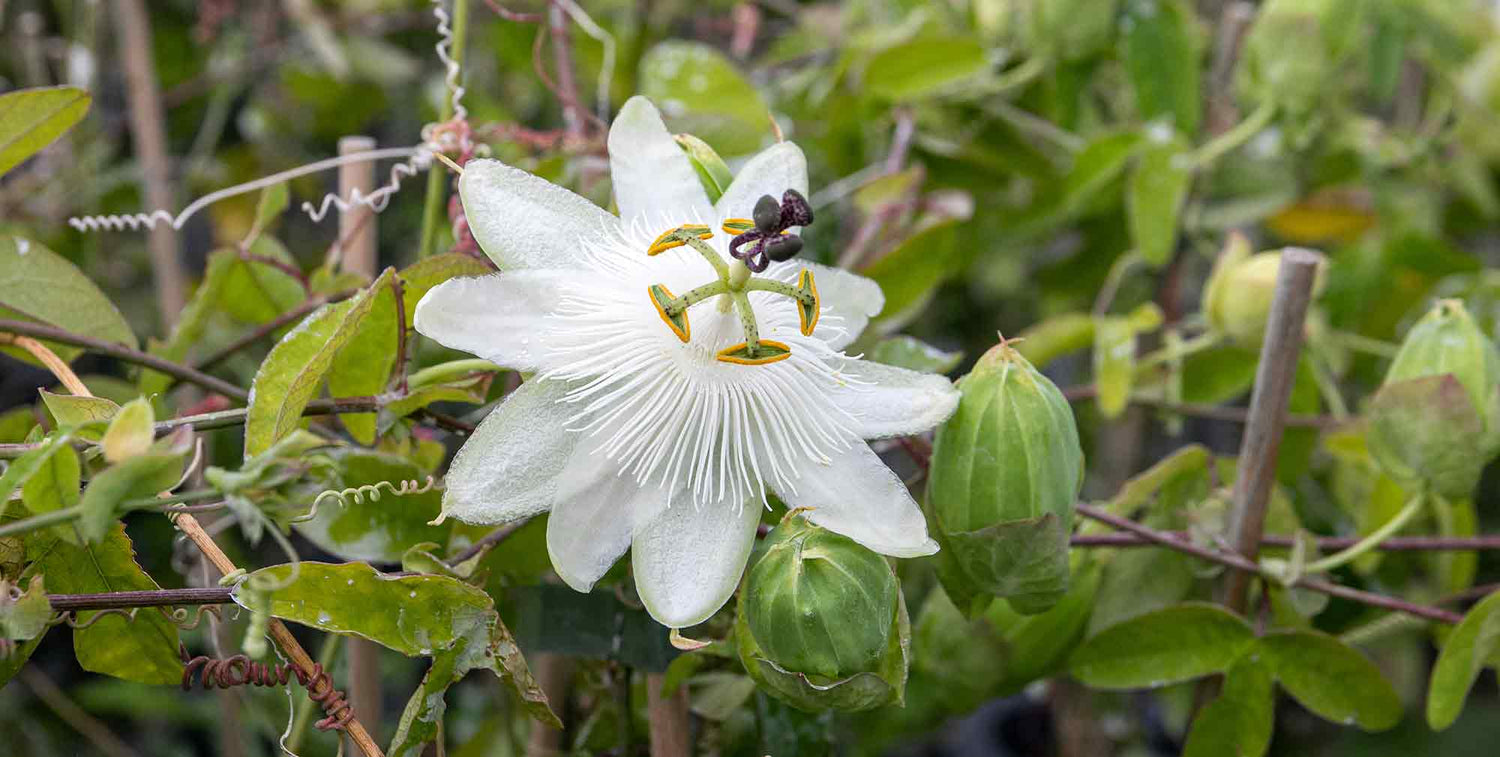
{"type": "Point", "coordinates": [766, 242]}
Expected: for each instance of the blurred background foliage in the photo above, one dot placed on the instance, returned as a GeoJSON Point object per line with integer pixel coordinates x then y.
{"type": "Point", "coordinates": [1066, 170]}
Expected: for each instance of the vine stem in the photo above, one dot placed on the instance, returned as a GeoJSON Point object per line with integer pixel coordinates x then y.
{"type": "Point", "coordinates": [1353, 551]}
{"type": "Point", "coordinates": [1242, 132]}
{"type": "Point", "coordinates": [121, 352]}
{"type": "Point", "coordinates": [1248, 567]}
{"type": "Point", "coordinates": [279, 632]}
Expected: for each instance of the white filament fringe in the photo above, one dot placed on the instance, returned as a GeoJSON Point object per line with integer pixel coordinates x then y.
{"type": "Point", "coordinates": [444, 46]}
{"type": "Point", "coordinates": [417, 158]}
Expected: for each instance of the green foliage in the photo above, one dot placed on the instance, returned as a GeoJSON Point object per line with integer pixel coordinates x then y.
{"type": "Point", "coordinates": [1168, 646]}
{"type": "Point", "coordinates": [31, 119]}
{"type": "Point", "coordinates": [1473, 645]}
{"type": "Point", "coordinates": [37, 284]}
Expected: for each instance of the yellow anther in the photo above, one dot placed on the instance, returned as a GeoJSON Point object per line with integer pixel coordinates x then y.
{"type": "Point", "coordinates": [662, 297]}
{"type": "Point", "coordinates": [669, 240]}
{"type": "Point", "coordinates": [737, 226]}
{"type": "Point", "coordinates": [739, 354]}
{"type": "Point", "coordinates": [808, 312]}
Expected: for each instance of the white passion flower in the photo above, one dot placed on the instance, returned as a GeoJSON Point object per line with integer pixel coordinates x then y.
{"type": "Point", "coordinates": [656, 422]}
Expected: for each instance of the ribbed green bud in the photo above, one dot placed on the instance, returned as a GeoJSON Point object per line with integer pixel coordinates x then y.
{"type": "Point", "coordinates": [818, 602]}
{"type": "Point", "coordinates": [1237, 299]}
{"type": "Point", "coordinates": [1006, 468]}
{"type": "Point", "coordinates": [1435, 422]}
{"type": "Point", "coordinates": [821, 623]}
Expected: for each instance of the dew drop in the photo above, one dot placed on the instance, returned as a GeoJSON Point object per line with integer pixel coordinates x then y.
{"type": "Point", "coordinates": [413, 595]}
{"type": "Point", "coordinates": [323, 618]}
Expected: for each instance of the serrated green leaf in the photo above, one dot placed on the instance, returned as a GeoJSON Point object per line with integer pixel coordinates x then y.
{"type": "Point", "coordinates": [363, 365]}
{"type": "Point", "coordinates": [1161, 56]}
{"type": "Point", "coordinates": [293, 372]}
{"type": "Point", "coordinates": [711, 169]}
{"type": "Point", "coordinates": [1158, 186]}
{"type": "Point", "coordinates": [31, 119]}
{"type": "Point", "coordinates": [143, 650]}
{"type": "Point", "coordinates": [925, 67]}
{"type": "Point", "coordinates": [454, 623]}
{"type": "Point", "coordinates": [914, 354]}
{"type": "Point", "coordinates": [1472, 645]}
{"type": "Point", "coordinates": [1168, 646]}
{"type": "Point", "coordinates": [130, 432]}
{"type": "Point", "coordinates": [1331, 679]}
{"type": "Point", "coordinates": [37, 284]}
{"type": "Point", "coordinates": [1238, 723]}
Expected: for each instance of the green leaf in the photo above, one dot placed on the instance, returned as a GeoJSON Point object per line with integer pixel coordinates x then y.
{"type": "Point", "coordinates": [26, 616]}
{"type": "Point", "coordinates": [382, 526]}
{"type": "Point", "coordinates": [712, 171]}
{"type": "Point", "coordinates": [37, 284]}
{"type": "Point", "coordinates": [1218, 375]}
{"type": "Point", "coordinates": [73, 411]}
{"type": "Point", "coordinates": [1331, 679]}
{"type": "Point", "coordinates": [1101, 162]}
{"type": "Point", "coordinates": [130, 432]}
{"type": "Point", "coordinates": [1158, 187]}
{"type": "Point", "coordinates": [143, 650]}
{"type": "Point", "coordinates": [253, 292]}
{"type": "Point", "coordinates": [141, 476]}
{"type": "Point", "coordinates": [910, 273]}
{"type": "Point", "coordinates": [1187, 463]}
{"type": "Point", "coordinates": [914, 354]}
{"type": "Point", "coordinates": [55, 486]}
{"type": "Point", "coordinates": [703, 93]}
{"type": "Point", "coordinates": [1168, 646]}
{"type": "Point", "coordinates": [473, 391]}
{"type": "Point", "coordinates": [1471, 646]}
{"type": "Point", "coordinates": [1045, 341]}
{"type": "Point", "coordinates": [363, 365]}
{"type": "Point", "coordinates": [1161, 56]}
{"type": "Point", "coordinates": [293, 372]}
{"type": "Point", "coordinates": [27, 465]}
{"type": "Point", "coordinates": [1239, 722]}
{"type": "Point", "coordinates": [273, 202]}
{"type": "Point", "coordinates": [31, 119]}
{"type": "Point", "coordinates": [1114, 363]}
{"type": "Point", "coordinates": [925, 67]}
{"type": "Point", "coordinates": [454, 623]}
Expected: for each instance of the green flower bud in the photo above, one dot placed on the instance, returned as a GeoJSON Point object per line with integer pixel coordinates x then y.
{"type": "Point", "coordinates": [1435, 422]}
{"type": "Point", "coordinates": [1006, 468]}
{"type": "Point", "coordinates": [1237, 299]}
{"type": "Point", "coordinates": [821, 622]}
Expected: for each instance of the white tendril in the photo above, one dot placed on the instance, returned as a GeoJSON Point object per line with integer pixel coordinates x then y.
{"type": "Point", "coordinates": [377, 199]}
{"type": "Point", "coordinates": [444, 45]}
{"type": "Point", "coordinates": [357, 494]}
{"type": "Point", "coordinates": [418, 157]}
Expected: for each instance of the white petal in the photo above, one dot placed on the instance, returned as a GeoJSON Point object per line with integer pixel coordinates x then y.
{"type": "Point", "coordinates": [859, 497]}
{"type": "Point", "coordinates": [510, 468]}
{"type": "Point", "coordinates": [502, 317]}
{"type": "Point", "coordinates": [524, 221]}
{"type": "Point", "coordinates": [688, 560]}
{"type": "Point", "coordinates": [775, 170]}
{"type": "Point", "coordinates": [594, 515]}
{"type": "Point", "coordinates": [850, 298]}
{"type": "Point", "coordinates": [890, 401]}
{"type": "Point", "coordinates": [653, 179]}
